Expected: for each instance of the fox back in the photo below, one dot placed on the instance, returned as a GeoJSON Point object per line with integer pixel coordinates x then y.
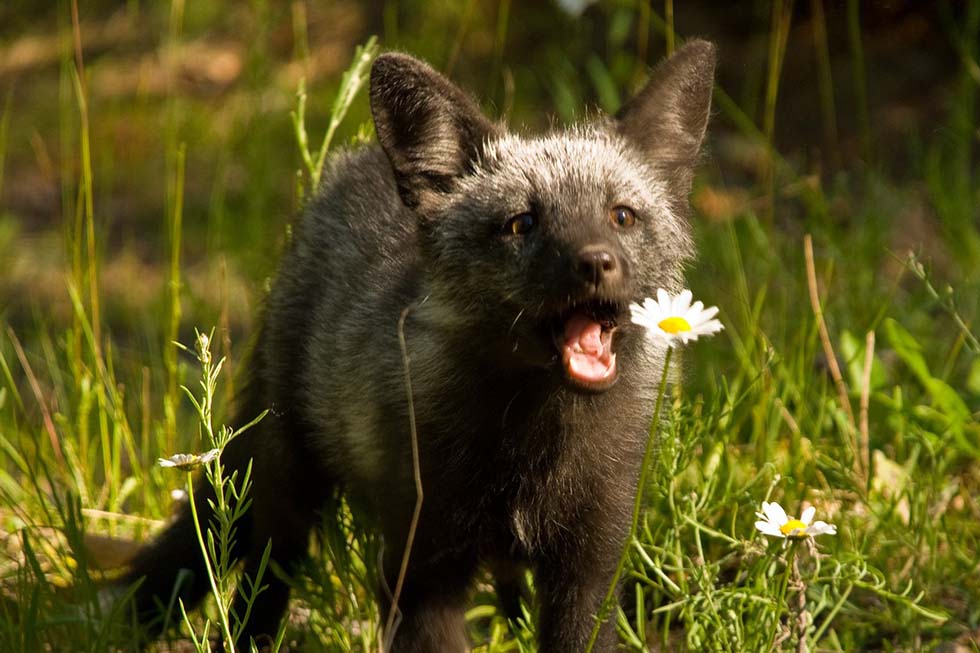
{"type": "Point", "coordinates": [470, 286]}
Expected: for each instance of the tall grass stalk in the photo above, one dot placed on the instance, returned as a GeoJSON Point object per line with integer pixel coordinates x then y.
{"type": "Point", "coordinates": [81, 98]}
{"type": "Point", "coordinates": [71, 202]}
{"type": "Point", "coordinates": [175, 153]}
{"type": "Point", "coordinates": [782, 14]}
{"type": "Point", "coordinates": [642, 42]}
{"type": "Point", "coordinates": [825, 83]}
{"type": "Point", "coordinates": [4, 126]}
{"type": "Point", "coordinates": [499, 44]}
{"type": "Point", "coordinates": [85, 208]}
{"type": "Point", "coordinates": [174, 313]}
{"type": "Point", "coordinates": [859, 72]}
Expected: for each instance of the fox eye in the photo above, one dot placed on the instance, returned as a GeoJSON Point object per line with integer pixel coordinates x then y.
{"type": "Point", "coordinates": [622, 216]}
{"type": "Point", "coordinates": [520, 224]}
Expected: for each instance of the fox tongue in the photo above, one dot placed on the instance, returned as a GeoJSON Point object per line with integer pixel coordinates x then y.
{"type": "Point", "coordinates": [586, 351]}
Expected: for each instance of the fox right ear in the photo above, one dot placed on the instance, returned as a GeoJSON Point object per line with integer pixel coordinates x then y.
{"type": "Point", "coordinates": [668, 117]}
{"type": "Point", "coordinates": [430, 130]}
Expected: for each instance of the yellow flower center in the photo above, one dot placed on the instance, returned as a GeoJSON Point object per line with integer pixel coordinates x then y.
{"type": "Point", "coordinates": [674, 324]}
{"type": "Point", "coordinates": [792, 525]}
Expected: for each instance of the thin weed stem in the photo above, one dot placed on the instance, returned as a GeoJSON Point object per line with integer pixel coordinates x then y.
{"type": "Point", "coordinates": [389, 629]}
{"type": "Point", "coordinates": [945, 300]}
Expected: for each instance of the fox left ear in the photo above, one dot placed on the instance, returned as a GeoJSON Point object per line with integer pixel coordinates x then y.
{"type": "Point", "coordinates": [429, 128]}
{"type": "Point", "coordinates": [667, 119]}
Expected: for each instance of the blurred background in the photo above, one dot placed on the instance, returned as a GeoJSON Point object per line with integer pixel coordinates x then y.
{"type": "Point", "coordinates": [848, 94]}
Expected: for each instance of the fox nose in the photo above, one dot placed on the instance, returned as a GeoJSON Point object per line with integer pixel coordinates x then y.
{"type": "Point", "coordinates": [597, 266]}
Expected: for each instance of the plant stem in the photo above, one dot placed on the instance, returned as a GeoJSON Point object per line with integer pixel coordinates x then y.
{"type": "Point", "coordinates": [783, 587]}
{"type": "Point", "coordinates": [218, 598]}
{"type": "Point", "coordinates": [798, 608]}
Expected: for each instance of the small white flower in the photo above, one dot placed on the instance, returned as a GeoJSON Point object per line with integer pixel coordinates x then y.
{"type": "Point", "coordinates": [675, 318]}
{"type": "Point", "coordinates": [188, 461]}
{"type": "Point", "coordinates": [775, 523]}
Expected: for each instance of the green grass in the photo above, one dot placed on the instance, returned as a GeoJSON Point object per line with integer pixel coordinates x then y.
{"type": "Point", "coordinates": [185, 193]}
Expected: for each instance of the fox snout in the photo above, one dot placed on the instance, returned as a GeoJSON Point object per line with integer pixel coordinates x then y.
{"type": "Point", "coordinates": [598, 266]}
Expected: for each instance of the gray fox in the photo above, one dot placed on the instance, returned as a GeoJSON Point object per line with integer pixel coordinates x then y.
{"type": "Point", "coordinates": [514, 259]}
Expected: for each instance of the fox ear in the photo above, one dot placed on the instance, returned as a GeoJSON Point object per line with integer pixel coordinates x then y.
{"type": "Point", "coordinates": [668, 117]}
{"type": "Point", "coordinates": [430, 130]}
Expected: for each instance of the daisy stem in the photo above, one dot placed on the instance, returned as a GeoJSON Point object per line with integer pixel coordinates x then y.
{"type": "Point", "coordinates": [783, 588]}
{"type": "Point", "coordinates": [607, 602]}
{"type": "Point", "coordinates": [218, 596]}
{"type": "Point", "coordinates": [801, 617]}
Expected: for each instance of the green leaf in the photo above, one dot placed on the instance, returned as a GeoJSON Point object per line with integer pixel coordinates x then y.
{"type": "Point", "coordinates": [973, 378]}
{"type": "Point", "coordinates": [961, 425]}
{"type": "Point", "coordinates": [852, 349]}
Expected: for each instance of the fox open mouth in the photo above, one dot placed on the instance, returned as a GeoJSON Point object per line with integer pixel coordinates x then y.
{"type": "Point", "coordinates": [584, 337]}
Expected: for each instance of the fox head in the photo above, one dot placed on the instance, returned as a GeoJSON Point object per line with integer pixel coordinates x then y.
{"type": "Point", "coordinates": [540, 243]}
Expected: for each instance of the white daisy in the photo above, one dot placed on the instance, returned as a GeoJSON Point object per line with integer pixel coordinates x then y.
{"type": "Point", "coordinates": [187, 461]}
{"type": "Point", "coordinates": [675, 319]}
{"type": "Point", "coordinates": [775, 523]}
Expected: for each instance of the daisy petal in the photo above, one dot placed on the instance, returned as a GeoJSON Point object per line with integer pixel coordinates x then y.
{"type": "Point", "coordinates": [708, 313]}
{"type": "Point", "coordinates": [767, 528]}
{"type": "Point", "coordinates": [807, 515]}
{"type": "Point", "coordinates": [682, 302]}
{"type": "Point", "coordinates": [774, 512]}
{"type": "Point", "coordinates": [710, 327]}
{"type": "Point", "coordinates": [821, 528]}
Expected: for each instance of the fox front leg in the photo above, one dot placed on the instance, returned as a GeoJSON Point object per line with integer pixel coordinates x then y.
{"type": "Point", "coordinates": [570, 602]}
{"type": "Point", "coordinates": [432, 605]}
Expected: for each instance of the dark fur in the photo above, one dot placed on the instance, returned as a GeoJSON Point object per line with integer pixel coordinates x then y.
{"type": "Point", "coordinates": [520, 468]}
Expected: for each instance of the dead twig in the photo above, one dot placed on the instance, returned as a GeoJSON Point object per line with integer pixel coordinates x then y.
{"type": "Point", "coordinates": [828, 348]}
{"type": "Point", "coordinates": [39, 396]}
{"type": "Point", "coordinates": [864, 453]}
